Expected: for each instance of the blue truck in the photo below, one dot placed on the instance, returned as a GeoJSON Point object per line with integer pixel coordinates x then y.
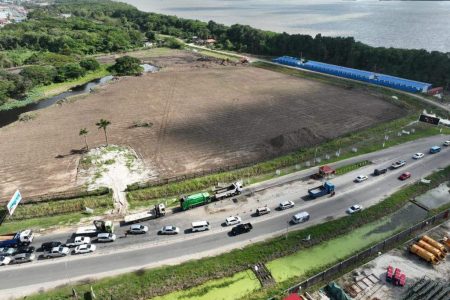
{"type": "Point", "coordinates": [326, 188]}
{"type": "Point", "coordinates": [13, 240]}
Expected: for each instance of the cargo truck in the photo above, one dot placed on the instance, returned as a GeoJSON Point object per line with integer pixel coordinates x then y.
{"type": "Point", "coordinates": [194, 200]}
{"type": "Point", "coordinates": [98, 227]}
{"type": "Point", "coordinates": [156, 212]}
{"type": "Point", "coordinates": [326, 188]}
{"type": "Point", "coordinates": [232, 189]}
{"type": "Point", "coordinates": [21, 238]}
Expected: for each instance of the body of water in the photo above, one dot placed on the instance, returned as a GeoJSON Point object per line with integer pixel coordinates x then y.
{"type": "Point", "coordinates": [400, 24]}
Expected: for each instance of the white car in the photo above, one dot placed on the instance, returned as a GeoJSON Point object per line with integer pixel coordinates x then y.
{"type": "Point", "coordinates": [106, 237]}
{"type": "Point", "coordinates": [169, 230]}
{"type": "Point", "coordinates": [286, 204]}
{"type": "Point", "coordinates": [84, 249]}
{"type": "Point", "coordinates": [354, 208]}
{"type": "Point", "coordinates": [79, 240]}
{"type": "Point", "coordinates": [138, 229]}
{"type": "Point", "coordinates": [361, 178]}
{"type": "Point", "coordinates": [5, 260]}
{"type": "Point", "coordinates": [447, 143]}
{"type": "Point", "coordinates": [233, 220]}
{"type": "Point", "coordinates": [418, 155]}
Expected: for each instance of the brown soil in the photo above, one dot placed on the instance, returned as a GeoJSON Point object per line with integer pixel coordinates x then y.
{"type": "Point", "coordinates": [203, 115]}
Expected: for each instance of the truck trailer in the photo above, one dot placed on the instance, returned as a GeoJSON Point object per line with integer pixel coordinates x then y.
{"type": "Point", "coordinates": [326, 188]}
{"type": "Point", "coordinates": [194, 200]}
{"type": "Point", "coordinates": [12, 240]}
{"type": "Point", "coordinates": [99, 226]}
{"type": "Point", "coordinates": [230, 190]}
{"type": "Point", "coordinates": [156, 212]}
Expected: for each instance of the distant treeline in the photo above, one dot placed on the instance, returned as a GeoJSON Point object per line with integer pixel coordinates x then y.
{"type": "Point", "coordinates": [103, 25]}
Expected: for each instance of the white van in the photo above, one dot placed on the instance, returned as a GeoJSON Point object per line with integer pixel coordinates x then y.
{"type": "Point", "coordinates": [300, 217]}
{"type": "Point", "coordinates": [200, 226]}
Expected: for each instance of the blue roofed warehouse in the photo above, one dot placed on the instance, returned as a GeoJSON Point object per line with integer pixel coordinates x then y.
{"type": "Point", "coordinates": [355, 74]}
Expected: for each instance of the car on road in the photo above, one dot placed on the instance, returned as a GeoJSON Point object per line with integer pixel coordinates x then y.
{"type": "Point", "coordinates": [106, 237]}
{"type": "Point", "coordinates": [262, 211]}
{"type": "Point", "coordinates": [8, 251]}
{"type": "Point", "coordinates": [138, 229]}
{"type": "Point", "coordinates": [418, 155]}
{"type": "Point", "coordinates": [379, 171]}
{"type": "Point", "coordinates": [5, 260]}
{"type": "Point", "coordinates": [233, 220]}
{"type": "Point", "coordinates": [82, 249]}
{"type": "Point", "coordinates": [57, 252]}
{"type": "Point", "coordinates": [169, 230]}
{"type": "Point", "coordinates": [435, 149]}
{"type": "Point", "coordinates": [285, 205]}
{"type": "Point", "coordinates": [241, 228]}
{"type": "Point", "coordinates": [26, 249]}
{"type": "Point", "coordinates": [447, 143]}
{"type": "Point", "coordinates": [79, 240]}
{"type": "Point", "coordinates": [354, 208]}
{"type": "Point", "coordinates": [404, 176]}
{"type": "Point", "coordinates": [200, 226]}
{"type": "Point", "coordinates": [23, 258]}
{"type": "Point", "coordinates": [301, 217]}
{"type": "Point", "coordinates": [361, 178]}
{"type": "Point", "coordinates": [50, 245]}
{"type": "Point", "coordinates": [398, 164]}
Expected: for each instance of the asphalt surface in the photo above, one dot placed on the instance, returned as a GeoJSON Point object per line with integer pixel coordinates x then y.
{"type": "Point", "coordinates": [150, 250]}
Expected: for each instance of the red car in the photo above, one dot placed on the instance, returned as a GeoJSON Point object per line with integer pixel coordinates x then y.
{"type": "Point", "coordinates": [404, 176]}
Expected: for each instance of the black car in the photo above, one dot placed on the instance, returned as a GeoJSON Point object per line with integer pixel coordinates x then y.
{"type": "Point", "coordinates": [26, 249]}
{"type": "Point", "coordinates": [241, 228]}
{"type": "Point", "coordinates": [377, 172]}
{"type": "Point", "coordinates": [50, 245]}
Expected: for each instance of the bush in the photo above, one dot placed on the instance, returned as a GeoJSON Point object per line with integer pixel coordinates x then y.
{"type": "Point", "coordinates": [126, 66]}
{"type": "Point", "coordinates": [90, 64]}
{"type": "Point", "coordinates": [70, 71]}
{"type": "Point", "coordinates": [39, 74]}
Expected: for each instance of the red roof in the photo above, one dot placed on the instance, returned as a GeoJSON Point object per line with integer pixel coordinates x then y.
{"type": "Point", "coordinates": [326, 170]}
{"type": "Point", "coordinates": [293, 296]}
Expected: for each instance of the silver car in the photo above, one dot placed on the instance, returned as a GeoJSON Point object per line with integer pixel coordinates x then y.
{"type": "Point", "coordinates": [23, 258]}
{"type": "Point", "coordinates": [137, 229]}
{"type": "Point", "coordinates": [106, 237]}
{"type": "Point", "coordinates": [169, 230]}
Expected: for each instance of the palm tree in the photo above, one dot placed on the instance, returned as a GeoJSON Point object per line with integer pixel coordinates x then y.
{"type": "Point", "coordinates": [102, 124]}
{"type": "Point", "coordinates": [83, 133]}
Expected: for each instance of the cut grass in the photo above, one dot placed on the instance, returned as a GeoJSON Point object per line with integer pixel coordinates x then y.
{"type": "Point", "coordinates": [154, 282]}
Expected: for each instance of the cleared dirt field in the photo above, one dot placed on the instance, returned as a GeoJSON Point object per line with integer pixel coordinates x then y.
{"type": "Point", "coordinates": [204, 115]}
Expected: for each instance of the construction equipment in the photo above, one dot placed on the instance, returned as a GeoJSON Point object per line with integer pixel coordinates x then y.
{"type": "Point", "coordinates": [424, 254]}
{"type": "Point", "coordinates": [435, 244]}
{"type": "Point", "coordinates": [431, 249]}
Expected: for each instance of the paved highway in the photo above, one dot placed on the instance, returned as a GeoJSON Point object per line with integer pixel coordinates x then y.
{"type": "Point", "coordinates": [135, 252]}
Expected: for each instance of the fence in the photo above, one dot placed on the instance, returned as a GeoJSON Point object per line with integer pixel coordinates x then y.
{"type": "Point", "coordinates": [384, 245]}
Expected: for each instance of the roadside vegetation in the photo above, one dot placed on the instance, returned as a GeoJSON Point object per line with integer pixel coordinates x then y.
{"type": "Point", "coordinates": [159, 281]}
{"type": "Point", "coordinates": [364, 141]}
{"type": "Point", "coordinates": [351, 167]}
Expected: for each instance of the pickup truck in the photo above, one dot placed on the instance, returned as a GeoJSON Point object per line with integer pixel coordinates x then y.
{"type": "Point", "coordinates": [79, 240]}
{"type": "Point", "coordinates": [21, 238]}
{"type": "Point", "coordinates": [326, 188]}
{"type": "Point", "coordinates": [241, 228]}
{"type": "Point", "coordinates": [57, 252]}
{"type": "Point", "coordinates": [398, 164]}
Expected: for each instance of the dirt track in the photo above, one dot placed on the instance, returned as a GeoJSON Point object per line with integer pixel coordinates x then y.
{"type": "Point", "coordinates": [204, 115]}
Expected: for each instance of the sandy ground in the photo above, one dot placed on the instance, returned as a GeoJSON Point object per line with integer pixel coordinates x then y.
{"type": "Point", "coordinates": [114, 167]}
{"type": "Point", "coordinates": [203, 115]}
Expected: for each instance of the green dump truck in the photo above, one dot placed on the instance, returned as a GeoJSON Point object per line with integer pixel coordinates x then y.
{"type": "Point", "coordinates": [194, 200]}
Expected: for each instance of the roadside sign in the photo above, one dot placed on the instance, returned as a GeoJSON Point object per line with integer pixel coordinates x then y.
{"type": "Point", "coordinates": [429, 119]}
{"type": "Point", "coordinates": [15, 200]}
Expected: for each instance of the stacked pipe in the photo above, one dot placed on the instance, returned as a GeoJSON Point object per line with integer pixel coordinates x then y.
{"type": "Point", "coordinates": [429, 250]}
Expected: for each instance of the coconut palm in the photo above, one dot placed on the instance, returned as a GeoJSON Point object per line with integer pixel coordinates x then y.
{"type": "Point", "coordinates": [83, 133]}
{"type": "Point", "coordinates": [103, 124]}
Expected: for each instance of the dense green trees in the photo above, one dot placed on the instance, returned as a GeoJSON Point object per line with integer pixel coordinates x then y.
{"type": "Point", "coordinates": [39, 74]}
{"type": "Point", "coordinates": [126, 65]}
{"type": "Point", "coordinates": [90, 64]}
